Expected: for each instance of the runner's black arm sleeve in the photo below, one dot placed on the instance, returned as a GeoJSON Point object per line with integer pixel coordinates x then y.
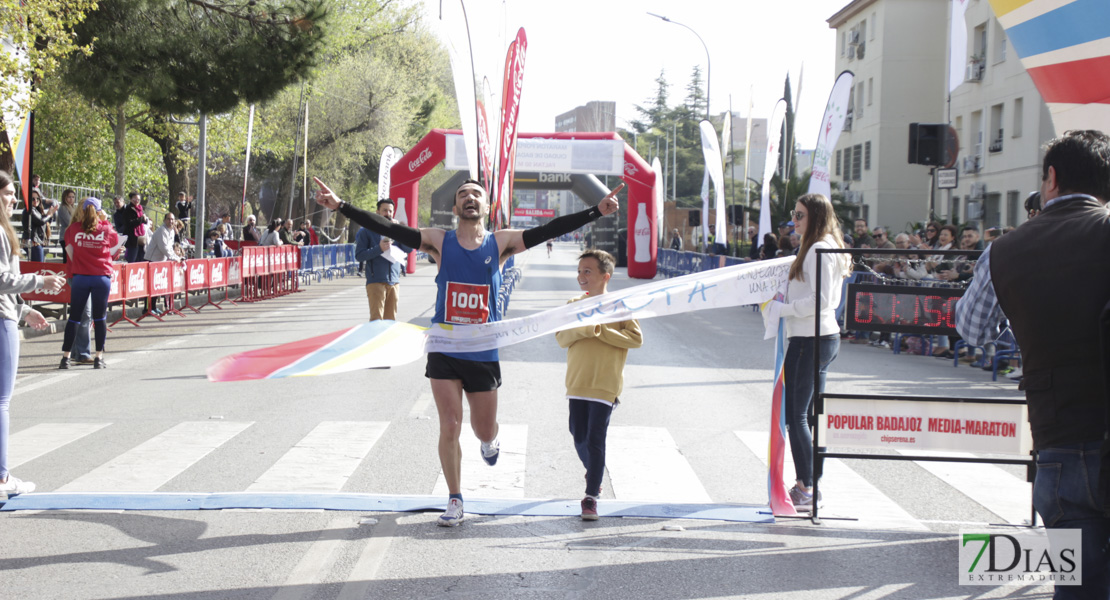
{"type": "Point", "coordinates": [409, 236]}
{"type": "Point", "coordinates": [566, 224]}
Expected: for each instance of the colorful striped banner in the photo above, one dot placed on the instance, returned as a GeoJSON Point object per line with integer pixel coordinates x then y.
{"type": "Point", "coordinates": [387, 343]}
{"type": "Point", "coordinates": [777, 494]}
{"type": "Point", "coordinates": [1065, 47]}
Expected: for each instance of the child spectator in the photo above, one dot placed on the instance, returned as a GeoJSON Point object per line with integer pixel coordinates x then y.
{"type": "Point", "coordinates": [595, 374]}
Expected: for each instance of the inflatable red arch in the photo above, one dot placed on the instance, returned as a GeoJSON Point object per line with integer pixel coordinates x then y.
{"type": "Point", "coordinates": [406, 174]}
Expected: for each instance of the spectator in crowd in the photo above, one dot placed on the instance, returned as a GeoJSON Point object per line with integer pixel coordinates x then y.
{"type": "Point", "coordinates": [596, 355]}
{"type": "Point", "coordinates": [1033, 205]}
{"type": "Point", "coordinates": [676, 240]}
{"type": "Point", "coordinates": [906, 267]}
{"type": "Point", "coordinates": [90, 243]}
{"type": "Point", "coordinates": [66, 209]}
{"type": "Point", "coordinates": [250, 230]}
{"type": "Point", "coordinates": [991, 234]}
{"type": "Point", "coordinates": [36, 182]}
{"type": "Point", "coordinates": [119, 217]}
{"type": "Point", "coordinates": [881, 241]}
{"type": "Point", "coordinates": [785, 249]}
{"type": "Point", "coordinates": [769, 248]}
{"type": "Point", "coordinates": [286, 234]}
{"type": "Point", "coordinates": [12, 309]}
{"type": "Point", "coordinates": [383, 276]}
{"type": "Point", "coordinates": [860, 237]}
{"type": "Point", "coordinates": [35, 220]}
{"type": "Point", "coordinates": [215, 244]}
{"type": "Point", "coordinates": [179, 234]}
{"type": "Point", "coordinates": [820, 229]}
{"type": "Point", "coordinates": [785, 227]}
{"type": "Point", "coordinates": [969, 238]}
{"type": "Point", "coordinates": [184, 206]}
{"type": "Point", "coordinates": [134, 227]}
{"type": "Point", "coordinates": [271, 237]}
{"type": "Point", "coordinates": [795, 242]}
{"type": "Point", "coordinates": [932, 233]}
{"type": "Point", "coordinates": [313, 239]}
{"type": "Point", "coordinates": [222, 229]}
{"type": "Point", "coordinates": [305, 234]}
{"type": "Point", "coordinates": [162, 241]}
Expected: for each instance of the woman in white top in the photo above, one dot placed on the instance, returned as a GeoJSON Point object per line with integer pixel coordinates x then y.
{"type": "Point", "coordinates": [815, 220]}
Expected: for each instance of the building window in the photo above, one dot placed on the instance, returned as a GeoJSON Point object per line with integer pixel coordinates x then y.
{"type": "Point", "coordinates": [999, 42]}
{"type": "Point", "coordinates": [843, 42]}
{"type": "Point", "coordinates": [996, 129]}
{"type": "Point", "coordinates": [870, 90]}
{"type": "Point", "coordinates": [954, 210]}
{"type": "Point", "coordinates": [857, 162]}
{"type": "Point", "coordinates": [874, 25]}
{"type": "Point", "coordinates": [1012, 198]}
{"type": "Point", "coordinates": [863, 30]}
{"type": "Point", "coordinates": [838, 163]}
{"type": "Point", "coordinates": [867, 156]}
{"type": "Point", "coordinates": [859, 100]}
{"type": "Point", "coordinates": [1019, 116]}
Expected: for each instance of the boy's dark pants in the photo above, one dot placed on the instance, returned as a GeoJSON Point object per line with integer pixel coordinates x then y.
{"type": "Point", "coordinates": [589, 423]}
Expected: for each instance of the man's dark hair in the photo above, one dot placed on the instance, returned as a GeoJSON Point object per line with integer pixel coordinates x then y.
{"type": "Point", "coordinates": [132, 195]}
{"type": "Point", "coordinates": [182, 193]}
{"type": "Point", "coordinates": [605, 260]}
{"type": "Point", "coordinates": [1081, 160]}
{"type": "Point", "coordinates": [386, 201]}
{"type": "Point", "coordinates": [475, 182]}
{"type": "Point", "coordinates": [969, 228]}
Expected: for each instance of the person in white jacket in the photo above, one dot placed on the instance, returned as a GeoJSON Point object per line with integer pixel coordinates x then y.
{"type": "Point", "coordinates": [816, 221]}
{"type": "Point", "coordinates": [160, 247]}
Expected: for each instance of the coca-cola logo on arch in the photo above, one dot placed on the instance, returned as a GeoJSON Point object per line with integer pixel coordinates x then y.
{"type": "Point", "coordinates": [420, 159]}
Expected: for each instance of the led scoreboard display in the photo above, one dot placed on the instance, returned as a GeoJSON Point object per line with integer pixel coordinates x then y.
{"type": "Point", "coordinates": [902, 309]}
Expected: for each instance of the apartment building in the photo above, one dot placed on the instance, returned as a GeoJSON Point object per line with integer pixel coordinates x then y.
{"type": "Point", "coordinates": [896, 50]}
{"type": "Point", "coordinates": [1002, 124]}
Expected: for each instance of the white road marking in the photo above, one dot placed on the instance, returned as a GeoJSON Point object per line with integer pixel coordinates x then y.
{"type": "Point", "coordinates": [995, 489]}
{"type": "Point", "coordinates": [421, 405]}
{"type": "Point", "coordinates": [45, 382]}
{"type": "Point", "coordinates": [315, 562]}
{"type": "Point", "coordinates": [370, 560]}
{"type": "Point", "coordinates": [645, 464]}
{"type": "Point", "coordinates": [150, 465]}
{"type": "Point", "coordinates": [37, 440]}
{"type": "Point", "coordinates": [324, 459]}
{"type": "Point", "coordinates": [845, 492]}
{"type": "Point", "coordinates": [503, 480]}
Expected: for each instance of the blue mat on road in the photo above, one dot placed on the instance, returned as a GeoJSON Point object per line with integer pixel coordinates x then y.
{"type": "Point", "coordinates": [379, 502]}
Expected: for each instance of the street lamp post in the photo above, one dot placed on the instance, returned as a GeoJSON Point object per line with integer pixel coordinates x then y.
{"type": "Point", "coordinates": [708, 68]}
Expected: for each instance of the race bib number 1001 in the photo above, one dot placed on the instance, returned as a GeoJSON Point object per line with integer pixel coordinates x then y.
{"type": "Point", "coordinates": [467, 303]}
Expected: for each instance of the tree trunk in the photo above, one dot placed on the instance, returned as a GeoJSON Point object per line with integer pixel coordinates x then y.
{"type": "Point", "coordinates": [119, 145]}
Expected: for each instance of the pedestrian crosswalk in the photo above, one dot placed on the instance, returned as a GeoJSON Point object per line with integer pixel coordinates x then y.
{"type": "Point", "coordinates": [644, 464]}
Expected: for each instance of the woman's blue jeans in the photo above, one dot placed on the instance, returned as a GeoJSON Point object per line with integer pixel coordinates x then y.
{"type": "Point", "coordinates": [798, 379]}
{"type": "Point", "coordinates": [9, 361]}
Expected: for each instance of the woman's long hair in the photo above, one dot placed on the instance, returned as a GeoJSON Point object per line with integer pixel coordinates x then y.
{"type": "Point", "coordinates": [5, 222]}
{"type": "Point", "coordinates": [821, 222]}
{"type": "Point", "coordinates": [89, 218]}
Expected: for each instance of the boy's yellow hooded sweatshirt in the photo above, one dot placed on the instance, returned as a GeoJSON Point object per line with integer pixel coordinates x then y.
{"type": "Point", "coordinates": [596, 355]}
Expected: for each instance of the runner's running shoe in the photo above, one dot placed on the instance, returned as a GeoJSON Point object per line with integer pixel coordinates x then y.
{"type": "Point", "coordinates": [490, 452]}
{"type": "Point", "coordinates": [453, 515]}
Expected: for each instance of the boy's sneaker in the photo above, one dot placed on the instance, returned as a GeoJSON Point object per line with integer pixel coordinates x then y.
{"type": "Point", "coordinates": [589, 509]}
{"type": "Point", "coordinates": [64, 364]}
{"type": "Point", "coordinates": [15, 485]}
{"type": "Point", "coordinates": [98, 363]}
{"type": "Point", "coordinates": [803, 502]}
{"type": "Point", "coordinates": [490, 452]}
{"type": "Point", "coordinates": [453, 515]}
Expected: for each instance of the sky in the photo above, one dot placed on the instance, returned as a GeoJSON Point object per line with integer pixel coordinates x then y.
{"type": "Point", "coordinates": [583, 50]}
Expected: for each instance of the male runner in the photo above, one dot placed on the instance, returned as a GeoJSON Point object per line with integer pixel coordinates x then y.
{"type": "Point", "coordinates": [469, 260]}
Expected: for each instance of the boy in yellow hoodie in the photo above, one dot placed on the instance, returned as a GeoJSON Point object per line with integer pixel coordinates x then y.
{"type": "Point", "coordinates": [595, 374]}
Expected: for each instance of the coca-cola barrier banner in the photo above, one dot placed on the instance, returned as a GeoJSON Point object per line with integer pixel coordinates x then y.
{"type": "Point", "coordinates": [44, 269]}
{"type": "Point", "coordinates": [161, 280]}
{"type": "Point", "coordinates": [419, 161]}
{"type": "Point", "coordinates": [135, 281]}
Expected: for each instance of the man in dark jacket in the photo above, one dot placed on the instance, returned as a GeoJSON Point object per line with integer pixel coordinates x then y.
{"type": "Point", "coordinates": [1054, 295]}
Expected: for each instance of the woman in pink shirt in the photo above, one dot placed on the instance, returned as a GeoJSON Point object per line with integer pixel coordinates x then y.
{"type": "Point", "coordinates": [89, 244]}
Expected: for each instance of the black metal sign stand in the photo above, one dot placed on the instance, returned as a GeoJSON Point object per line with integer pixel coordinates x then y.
{"type": "Point", "coordinates": [818, 406]}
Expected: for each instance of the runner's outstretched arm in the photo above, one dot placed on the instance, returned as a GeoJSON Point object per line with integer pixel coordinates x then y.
{"type": "Point", "coordinates": [409, 236]}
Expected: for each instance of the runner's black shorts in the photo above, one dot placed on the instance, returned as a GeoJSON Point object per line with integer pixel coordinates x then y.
{"type": "Point", "coordinates": [476, 376]}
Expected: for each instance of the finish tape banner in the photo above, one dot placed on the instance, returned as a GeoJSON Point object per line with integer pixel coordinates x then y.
{"type": "Point", "coordinates": [387, 343]}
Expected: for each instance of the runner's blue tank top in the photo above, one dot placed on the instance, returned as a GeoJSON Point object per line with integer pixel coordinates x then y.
{"type": "Point", "coordinates": [467, 286]}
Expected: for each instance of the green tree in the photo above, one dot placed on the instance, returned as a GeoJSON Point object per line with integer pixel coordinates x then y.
{"type": "Point", "coordinates": [695, 96]}
{"type": "Point", "coordinates": [39, 34]}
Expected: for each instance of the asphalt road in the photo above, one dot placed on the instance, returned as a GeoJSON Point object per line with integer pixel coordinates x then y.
{"type": "Point", "coordinates": [692, 426]}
